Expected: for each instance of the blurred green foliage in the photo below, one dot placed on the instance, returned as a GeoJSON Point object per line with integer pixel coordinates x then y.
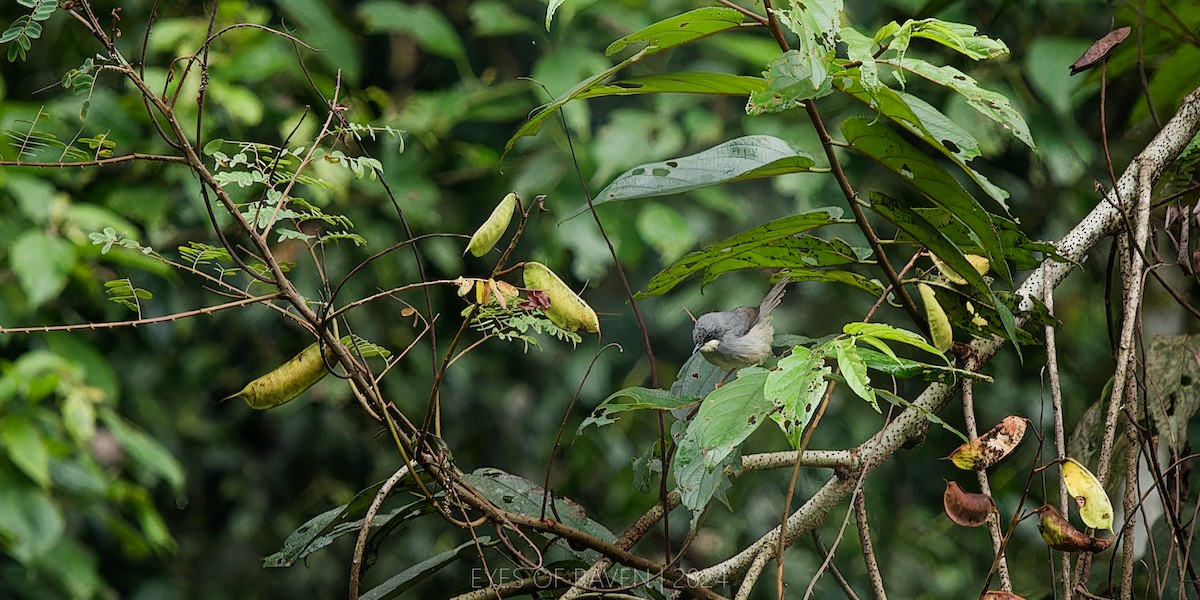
{"type": "Point", "coordinates": [121, 475]}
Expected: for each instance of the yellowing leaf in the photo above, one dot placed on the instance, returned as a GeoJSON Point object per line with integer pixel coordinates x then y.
{"type": "Point", "coordinates": [987, 449]}
{"type": "Point", "coordinates": [567, 309]}
{"type": "Point", "coordinates": [981, 264]}
{"type": "Point", "coordinates": [489, 233]}
{"type": "Point", "coordinates": [1095, 509]}
{"type": "Point", "coordinates": [1060, 534]}
{"type": "Point", "coordinates": [939, 323]}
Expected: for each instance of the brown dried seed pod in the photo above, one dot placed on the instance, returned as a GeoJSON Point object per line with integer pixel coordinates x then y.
{"type": "Point", "coordinates": [1100, 50]}
{"type": "Point", "coordinates": [967, 508]}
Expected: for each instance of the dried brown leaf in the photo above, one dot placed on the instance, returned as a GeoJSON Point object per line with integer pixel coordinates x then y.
{"type": "Point", "coordinates": [1100, 50]}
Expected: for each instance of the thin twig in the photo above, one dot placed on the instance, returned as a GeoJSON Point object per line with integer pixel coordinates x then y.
{"type": "Point", "coordinates": [985, 488]}
{"type": "Point", "coordinates": [868, 551]}
{"type": "Point", "coordinates": [1060, 438]}
{"type": "Point", "coordinates": [207, 310]}
{"type": "Point", "coordinates": [360, 545]}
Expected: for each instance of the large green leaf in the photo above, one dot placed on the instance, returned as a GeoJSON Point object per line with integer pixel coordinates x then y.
{"type": "Point", "coordinates": [993, 105]}
{"type": "Point", "coordinates": [752, 239]}
{"type": "Point", "coordinates": [739, 159]}
{"type": "Point", "coordinates": [30, 523]}
{"type": "Point", "coordinates": [960, 37]}
{"type": "Point", "coordinates": [517, 494]}
{"type": "Point", "coordinates": [723, 84]}
{"type": "Point", "coordinates": [681, 29]}
{"type": "Point", "coordinates": [714, 436]}
{"type": "Point", "coordinates": [1024, 252]}
{"type": "Point", "coordinates": [879, 142]}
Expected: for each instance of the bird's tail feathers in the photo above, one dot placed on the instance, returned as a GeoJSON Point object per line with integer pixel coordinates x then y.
{"type": "Point", "coordinates": [773, 297]}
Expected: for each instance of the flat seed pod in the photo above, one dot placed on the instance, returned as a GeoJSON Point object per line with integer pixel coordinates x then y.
{"type": "Point", "coordinates": [1095, 509]}
{"type": "Point", "coordinates": [1100, 50]}
{"type": "Point", "coordinates": [987, 449]}
{"type": "Point", "coordinates": [967, 508]}
{"type": "Point", "coordinates": [567, 309]}
{"type": "Point", "coordinates": [485, 238]}
{"type": "Point", "coordinates": [1060, 534]}
{"type": "Point", "coordinates": [939, 323]}
{"type": "Point", "coordinates": [287, 381]}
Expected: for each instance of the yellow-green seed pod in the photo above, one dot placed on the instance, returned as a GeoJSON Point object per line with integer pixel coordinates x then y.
{"type": "Point", "coordinates": [287, 381]}
{"type": "Point", "coordinates": [567, 309]}
{"type": "Point", "coordinates": [939, 323]}
{"type": "Point", "coordinates": [489, 233]}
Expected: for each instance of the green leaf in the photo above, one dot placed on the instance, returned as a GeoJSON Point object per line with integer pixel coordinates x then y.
{"type": "Point", "coordinates": [551, 8]}
{"type": "Point", "coordinates": [413, 575]}
{"type": "Point", "coordinates": [739, 159]}
{"type": "Point", "coordinates": [796, 386]}
{"type": "Point", "coordinates": [697, 377]}
{"type": "Point", "coordinates": [721, 84]}
{"type": "Point", "coordinates": [145, 450]}
{"type": "Point", "coordinates": [746, 241]}
{"type": "Point", "coordinates": [422, 22]}
{"type": "Point", "coordinates": [929, 416]}
{"type": "Point", "coordinates": [861, 49]}
{"type": "Point", "coordinates": [992, 105]}
{"type": "Point", "coordinates": [959, 37]}
{"type": "Point", "coordinates": [714, 436]}
{"type": "Point", "coordinates": [929, 236]}
{"type": "Point", "coordinates": [895, 334]}
{"type": "Point", "coordinates": [26, 447]}
{"type": "Point", "coordinates": [42, 264]}
{"type": "Point", "coordinates": [1173, 390]}
{"type": "Point", "coordinates": [792, 78]}
{"type": "Point", "coordinates": [798, 251]}
{"type": "Point", "coordinates": [681, 29]}
{"type": "Point", "coordinates": [918, 170]}
{"type": "Point", "coordinates": [1024, 252]}
{"type": "Point", "coordinates": [905, 368]}
{"type": "Point", "coordinates": [854, 370]}
{"type": "Point", "coordinates": [635, 398]}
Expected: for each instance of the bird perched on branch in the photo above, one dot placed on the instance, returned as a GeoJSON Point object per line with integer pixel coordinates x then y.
{"type": "Point", "coordinates": [732, 339]}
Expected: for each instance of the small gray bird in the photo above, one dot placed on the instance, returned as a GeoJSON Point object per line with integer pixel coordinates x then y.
{"type": "Point", "coordinates": [732, 339]}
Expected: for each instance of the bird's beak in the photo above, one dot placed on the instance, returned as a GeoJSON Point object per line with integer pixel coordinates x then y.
{"type": "Point", "coordinates": [696, 349]}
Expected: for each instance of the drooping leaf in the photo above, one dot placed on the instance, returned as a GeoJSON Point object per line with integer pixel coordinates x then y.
{"type": "Point", "coordinates": [714, 436]}
{"type": "Point", "coordinates": [758, 237]}
{"type": "Point", "coordinates": [854, 370]}
{"type": "Point", "coordinates": [939, 325]}
{"type": "Point", "coordinates": [30, 524]}
{"type": "Point", "coordinates": [992, 105]}
{"type": "Point", "coordinates": [884, 331]}
{"type": "Point", "coordinates": [905, 368]}
{"type": "Point", "coordinates": [1173, 390]}
{"type": "Point", "coordinates": [739, 159]}
{"type": "Point", "coordinates": [721, 84]}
